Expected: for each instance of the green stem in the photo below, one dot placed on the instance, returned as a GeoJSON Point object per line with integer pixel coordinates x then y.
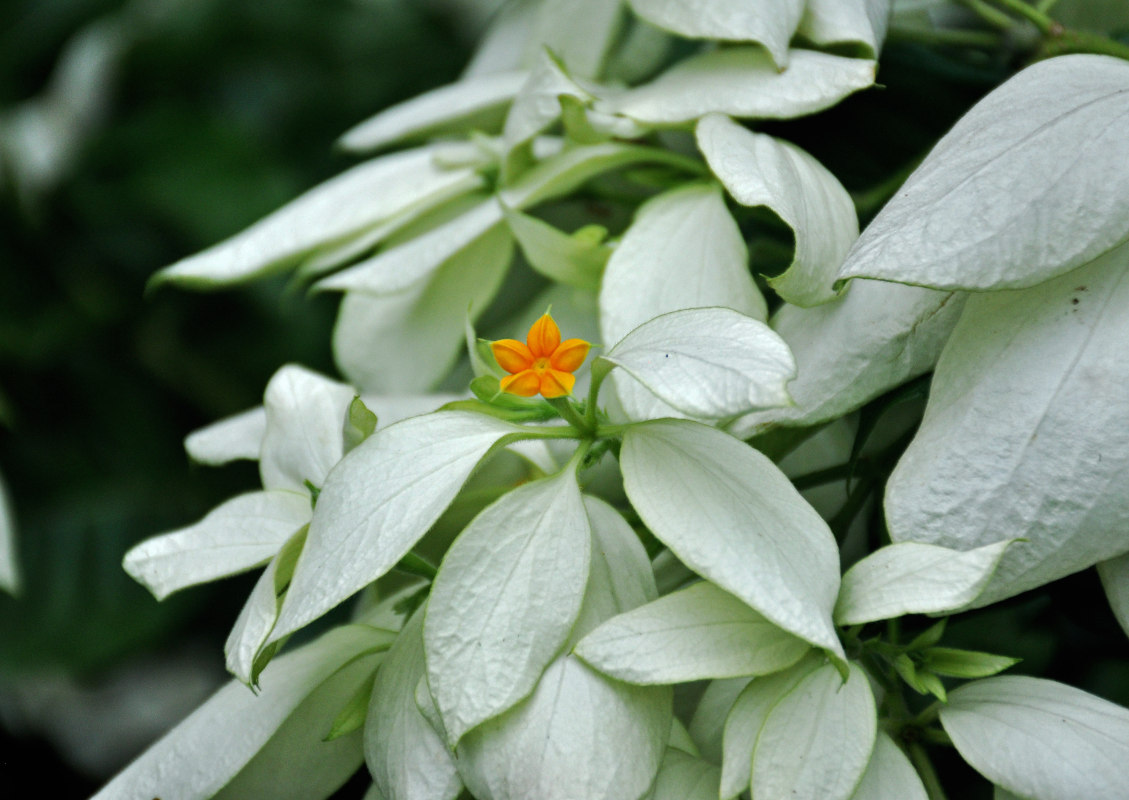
{"type": "Point", "coordinates": [927, 715]}
{"type": "Point", "coordinates": [1045, 5]}
{"type": "Point", "coordinates": [564, 407]}
{"type": "Point", "coordinates": [1061, 42]}
{"type": "Point", "coordinates": [993, 16]}
{"type": "Point", "coordinates": [1045, 24]}
{"type": "Point", "coordinates": [944, 38]}
{"type": "Point", "coordinates": [578, 457]}
{"type": "Point", "coordinates": [925, 770]}
{"type": "Point", "coordinates": [600, 370]}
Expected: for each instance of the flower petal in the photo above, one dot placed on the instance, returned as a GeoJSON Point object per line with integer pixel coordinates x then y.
{"type": "Point", "coordinates": [544, 336]}
{"type": "Point", "coordinates": [555, 383]}
{"type": "Point", "coordinates": [525, 383]}
{"type": "Point", "coordinates": [569, 355]}
{"type": "Point", "coordinates": [512, 355]}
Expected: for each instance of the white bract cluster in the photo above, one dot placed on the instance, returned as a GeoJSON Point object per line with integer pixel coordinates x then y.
{"type": "Point", "coordinates": [537, 659]}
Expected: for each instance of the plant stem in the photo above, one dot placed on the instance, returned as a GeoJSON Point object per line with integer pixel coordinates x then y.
{"type": "Point", "coordinates": [1045, 24]}
{"type": "Point", "coordinates": [1045, 5]}
{"type": "Point", "coordinates": [925, 770]}
{"type": "Point", "coordinates": [993, 16]}
{"type": "Point", "coordinates": [943, 37]}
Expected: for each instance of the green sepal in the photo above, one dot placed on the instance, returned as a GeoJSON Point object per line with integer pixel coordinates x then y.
{"type": "Point", "coordinates": [928, 637]}
{"type": "Point", "coordinates": [352, 716]}
{"type": "Point", "coordinates": [967, 664]}
{"type": "Point", "coordinates": [360, 423]}
{"type": "Point", "coordinates": [574, 117]}
{"type": "Point", "coordinates": [933, 685]}
{"type": "Point", "coordinates": [284, 571]}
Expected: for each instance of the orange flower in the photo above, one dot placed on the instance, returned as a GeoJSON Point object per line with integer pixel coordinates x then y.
{"type": "Point", "coordinates": [545, 364]}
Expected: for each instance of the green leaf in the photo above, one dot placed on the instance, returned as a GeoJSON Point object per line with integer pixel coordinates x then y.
{"type": "Point", "coordinates": [817, 741]}
{"type": "Point", "coordinates": [684, 777]}
{"type": "Point", "coordinates": [761, 170]}
{"type": "Point", "coordinates": [996, 204]}
{"type": "Point", "coordinates": [707, 726]}
{"type": "Point", "coordinates": [906, 667]}
{"type": "Point", "coordinates": [235, 536]}
{"type": "Point", "coordinates": [404, 754]}
{"type": "Point", "coordinates": [577, 260]}
{"type": "Point", "coordinates": [352, 715]}
{"type": "Point", "coordinates": [507, 595]}
{"type": "Point", "coordinates": [729, 514]}
{"type": "Point", "coordinates": [474, 103]}
{"type": "Point", "coordinates": [1026, 433]}
{"type": "Point", "coordinates": [770, 23]}
{"type": "Point", "coordinates": [683, 250]}
{"type": "Point", "coordinates": [928, 637]}
{"type": "Point", "coordinates": [711, 363]}
{"type": "Point", "coordinates": [379, 501]}
{"type": "Point", "coordinates": [965, 663]}
{"type": "Point", "coordinates": [913, 578]}
{"type": "Point", "coordinates": [693, 634]}
{"type": "Point", "coordinates": [743, 82]}
{"type": "Point", "coordinates": [1038, 738]}
{"type": "Point", "coordinates": [360, 423]}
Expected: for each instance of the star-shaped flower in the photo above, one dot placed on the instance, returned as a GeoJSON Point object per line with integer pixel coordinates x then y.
{"type": "Point", "coordinates": [544, 365]}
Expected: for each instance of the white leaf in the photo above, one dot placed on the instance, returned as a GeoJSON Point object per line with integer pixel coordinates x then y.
{"type": "Point", "coordinates": [710, 363]}
{"type": "Point", "coordinates": [849, 351]}
{"type": "Point", "coordinates": [239, 436]}
{"type": "Point", "coordinates": [745, 719]}
{"type": "Point", "coordinates": [235, 536]}
{"type": "Point", "coordinates": [684, 777]}
{"type": "Point", "coordinates": [246, 742]}
{"type": "Point", "coordinates": [1038, 738]}
{"type": "Point", "coordinates": [830, 22]}
{"type": "Point", "coordinates": [1026, 433]}
{"type": "Point", "coordinates": [537, 106]}
{"type": "Point", "coordinates": [9, 570]}
{"type": "Point", "coordinates": [579, 32]}
{"type": "Point", "coordinates": [1025, 187]}
{"type": "Point", "coordinates": [253, 625]}
{"type": "Point", "coordinates": [889, 775]}
{"type": "Point", "coordinates": [817, 741]}
{"type": "Point", "coordinates": [409, 340]}
{"type": "Point", "coordinates": [505, 43]}
{"type": "Point", "coordinates": [302, 440]}
{"type": "Point", "coordinates": [580, 735]}
{"type": "Point", "coordinates": [743, 82]}
{"type": "Point", "coordinates": [729, 514]}
{"type": "Point", "coordinates": [506, 596]}
{"type": "Point", "coordinates": [708, 723]}
{"type": "Point", "coordinates": [474, 103]}
{"type": "Point", "coordinates": [767, 22]}
{"type": "Point", "coordinates": [407, 759]}
{"type": "Point", "coordinates": [697, 633]}
{"type": "Point", "coordinates": [325, 215]}
{"type": "Point", "coordinates": [620, 577]}
{"type": "Point", "coordinates": [410, 262]}
{"type": "Point", "coordinates": [761, 170]}
{"type": "Point", "coordinates": [379, 501]}
{"type": "Point", "coordinates": [682, 251]}
{"type": "Point", "coordinates": [913, 578]}
{"type": "Point", "coordinates": [1115, 580]}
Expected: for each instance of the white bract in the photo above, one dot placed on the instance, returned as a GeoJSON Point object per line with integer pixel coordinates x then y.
{"type": "Point", "coordinates": [9, 571]}
{"type": "Point", "coordinates": [1038, 738]}
{"type": "Point", "coordinates": [710, 363]}
{"type": "Point", "coordinates": [1025, 187]}
{"type": "Point", "coordinates": [889, 775]}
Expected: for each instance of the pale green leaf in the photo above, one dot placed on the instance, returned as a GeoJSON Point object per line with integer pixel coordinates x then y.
{"type": "Point", "coordinates": [303, 436]}
{"type": "Point", "coordinates": [407, 759]}
{"type": "Point", "coordinates": [1042, 739]}
{"type": "Point", "coordinates": [324, 216]}
{"type": "Point", "coordinates": [851, 350]}
{"type": "Point", "coordinates": [1026, 433]}
{"type": "Point", "coordinates": [409, 340]}
{"type": "Point", "coordinates": [836, 22]}
{"type": "Point", "coordinates": [579, 32]}
{"type": "Point", "coordinates": [889, 775]}
{"type": "Point", "coordinates": [761, 170]}
{"type": "Point", "coordinates": [680, 738]}
{"type": "Point", "coordinates": [607, 740]}
{"type": "Point", "coordinates": [1027, 186]}
{"type": "Point", "coordinates": [683, 250]}
{"type": "Point", "coordinates": [914, 578]}
{"type": "Point", "coordinates": [965, 664]}
{"type": "Point", "coordinates": [240, 744]}
{"type": "Point", "coordinates": [379, 501]}
{"type": "Point", "coordinates": [505, 599]}
{"type": "Point", "coordinates": [710, 363]}
{"type": "Point", "coordinates": [538, 104]}
{"type": "Point", "coordinates": [684, 777]}
{"type": "Point", "coordinates": [235, 536]}
{"type": "Point", "coordinates": [575, 260]}
{"type": "Point", "coordinates": [239, 436]}
{"type": "Point", "coordinates": [817, 741]}
{"type": "Point", "coordinates": [1115, 580]}
{"type": "Point", "coordinates": [745, 719]}
{"type": "Point", "coordinates": [743, 82]}
{"type": "Point", "coordinates": [770, 23]}
{"type": "Point", "coordinates": [729, 514]}
{"type": "Point", "coordinates": [697, 633]}
{"type": "Point", "coordinates": [474, 103]}
{"type": "Point", "coordinates": [707, 726]}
